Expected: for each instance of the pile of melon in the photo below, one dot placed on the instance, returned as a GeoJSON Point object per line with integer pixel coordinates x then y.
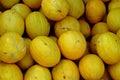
{"type": "Point", "coordinates": [59, 39]}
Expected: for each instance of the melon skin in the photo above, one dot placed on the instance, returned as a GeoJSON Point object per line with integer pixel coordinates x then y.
{"type": "Point", "coordinates": [55, 10]}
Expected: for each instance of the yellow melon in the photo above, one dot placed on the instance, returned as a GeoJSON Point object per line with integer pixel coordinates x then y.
{"type": "Point", "coordinates": [114, 71]}
{"type": "Point", "coordinates": [33, 4]}
{"type": "Point", "coordinates": [95, 11]}
{"type": "Point", "coordinates": [12, 47]}
{"type": "Point", "coordinates": [115, 0]}
{"type": "Point", "coordinates": [8, 3]}
{"type": "Point", "coordinates": [65, 70]}
{"type": "Point", "coordinates": [37, 72]}
{"type": "Point", "coordinates": [93, 42]}
{"type": "Point", "coordinates": [72, 44]}
{"type": "Point", "coordinates": [27, 60]}
{"type": "Point", "coordinates": [84, 28]}
{"type": "Point", "coordinates": [99, 28]}
{"type": "Point", "coordinates": [55, 9]}
{"type": "Point", "coordinates": [76, 8]}
{"type": "Point", "coordinates": [108, 47]}
{"type": "Point", "coordinates": [10, 72]}
{"type": "Point", "coordinates": [91, 67]}
{"type": "Point", "coordinates": [53, 38]}
{"type": "Point", "coordinates": [87, 51]}
{"type": "Point", "coordinates": [45, 51]}
{"type": "Point", "coordinates": [37, 25]}
{"type": "Point", "coordinates": [22, 9]}
{"type": "Point", "coordinates": [66, 24]}
{"type": "Point", "coordinates": [11, 21]}
{"type": "Point", "coordinates": [113, 20]}
{"type": "Point", "coordinates": [113, 4]}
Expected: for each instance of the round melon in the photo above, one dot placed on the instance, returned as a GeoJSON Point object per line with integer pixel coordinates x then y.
{"type": "Point", "coordinates": [37, 25]}
{"type": "Point", "coordinates": [113, 19]}
{"type": "Point", "coordinates": [95, 11]}
{"type": "Point", "coordinates": [108, 47]}
{"type": "Point", "coordinates": [22, 9]}
{"type": "Point", "coordinates": [114, 71]}
{"type": "Point", "coordinates": [8, 3]}
{"type": "Point", "coordinates": [84, 28]}
{"type": "Point", "coordinates": [27, 60]}
{"type": "Point", "coordinates": [99, 28]}
{"type": "Point", "coordinates": [113, 5]}
{"type": "Point", "coordinates": [33, 4]}
{"type": "Point", "coordinates": [11, 21]}
{"type": "Point", "coordinates": [72, 44]}
{"type": "Point", "coordinates": [91, 67]}
{"type": "Point", "coordinates": [55, 9]}
{"type": "Point", "coordinates": [66, 24]}
{"type": "Point", "coordinates": [65, 70]}
{"type": "Point", "coordinates": [76, 8]}
{"type": "Point", "coordinates": [12, 47]}
{"type": "Point", "coordinates": [10, 72]}
{"type": "Point", "coordinates": [45, 51]}
{"type": "Point", "coordinates": [38, 72]}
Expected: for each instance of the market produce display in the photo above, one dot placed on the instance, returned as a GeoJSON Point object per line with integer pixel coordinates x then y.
{"type": "Point", "coordinates": [59, 39]}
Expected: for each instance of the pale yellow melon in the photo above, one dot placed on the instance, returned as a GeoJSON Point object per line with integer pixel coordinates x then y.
{"type": "Point", "coordinates": [55, 9]}
{"type": "Point", "coordinates": [22, 9]}
{"type": "Point", "coordinates": [76, 8]}
{"type": "Point", "coordinates": [37, 25]}
{"type": "Point", "coordinates": [10, 72]}
{"type": "Point", "coordinates": [108, 48]}
{"type": "Point", "coordinates": [72, 44]}
{"type": "Point", "coordinates": [113, 4]}
{"type": "Point", "coordinates": [37, 72]}
{"type": "Point", "coordinates": [113, 20]}
{"type": "Point", "coordinates": [66, 24]}
{"type": "Point", "coordinates": [8, 3]}
{"type": "Point", "coordinates": [11, 21]}
{"type": "Point", "coordinates": [65, 70]}
{"type": "Point", "coordinates": [12, 47]}
{"type": "Point", "coordinates": [45, 51]}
